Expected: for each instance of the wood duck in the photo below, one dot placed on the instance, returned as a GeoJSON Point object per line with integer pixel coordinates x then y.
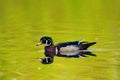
{"type": "Point", "coordinates": [76, 49]}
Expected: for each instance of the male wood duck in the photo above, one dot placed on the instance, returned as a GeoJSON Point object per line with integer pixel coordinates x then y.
{"type": "Point", "coordinates": [76, 49]}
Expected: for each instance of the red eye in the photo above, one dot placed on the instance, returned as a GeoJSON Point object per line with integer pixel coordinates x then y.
{"type": "Point", "coordinates": [44, 41]}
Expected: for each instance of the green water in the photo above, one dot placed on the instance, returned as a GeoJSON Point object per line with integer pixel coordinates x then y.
{"type": "Point", "coordinates": [23, 22]}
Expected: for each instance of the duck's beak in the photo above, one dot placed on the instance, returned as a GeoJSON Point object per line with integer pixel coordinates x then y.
{"type": "Point", "coordinates": [39, 43]}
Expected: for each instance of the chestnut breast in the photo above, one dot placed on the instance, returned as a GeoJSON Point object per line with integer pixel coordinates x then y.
{"type": "Point", "coordinates": [50, 51]}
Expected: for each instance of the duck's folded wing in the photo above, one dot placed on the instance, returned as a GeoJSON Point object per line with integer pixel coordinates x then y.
{"type": "Point", "coordinates": [64, 44]}
{"type": "Point", "coordinates": [67, 48]}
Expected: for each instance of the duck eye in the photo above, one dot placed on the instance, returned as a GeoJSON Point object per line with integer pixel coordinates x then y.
{"type": "Point", "coordinates": [44, 41]}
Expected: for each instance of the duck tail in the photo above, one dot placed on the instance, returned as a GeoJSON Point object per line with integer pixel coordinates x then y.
{"type": "Point", "coordinates": [86, 45]}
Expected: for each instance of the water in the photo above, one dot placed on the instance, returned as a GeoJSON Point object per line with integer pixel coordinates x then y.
{"type": "Point", "coordinates": [23, 22]}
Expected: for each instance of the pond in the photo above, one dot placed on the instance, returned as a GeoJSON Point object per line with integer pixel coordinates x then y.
{"type": "Point", "coordinates": [23, 22]}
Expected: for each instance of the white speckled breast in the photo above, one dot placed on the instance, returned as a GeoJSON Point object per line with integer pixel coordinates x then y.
{"type": "Point", "coordinates": [69, 50]}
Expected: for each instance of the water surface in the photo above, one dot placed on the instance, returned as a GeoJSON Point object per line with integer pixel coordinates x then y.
{"type": "Point", "coordinates": [23, 22]}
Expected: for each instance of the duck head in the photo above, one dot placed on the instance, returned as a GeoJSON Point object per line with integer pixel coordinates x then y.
{"type": "Point", "coordinates": [46, 40]}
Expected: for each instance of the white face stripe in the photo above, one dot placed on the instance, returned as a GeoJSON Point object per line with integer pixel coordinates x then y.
{"type": "Point", "coordinates": [46, 43]}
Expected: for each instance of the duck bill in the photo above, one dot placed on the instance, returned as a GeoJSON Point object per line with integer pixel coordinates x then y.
{"type": "Point", "coordinates": [39, 43]}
